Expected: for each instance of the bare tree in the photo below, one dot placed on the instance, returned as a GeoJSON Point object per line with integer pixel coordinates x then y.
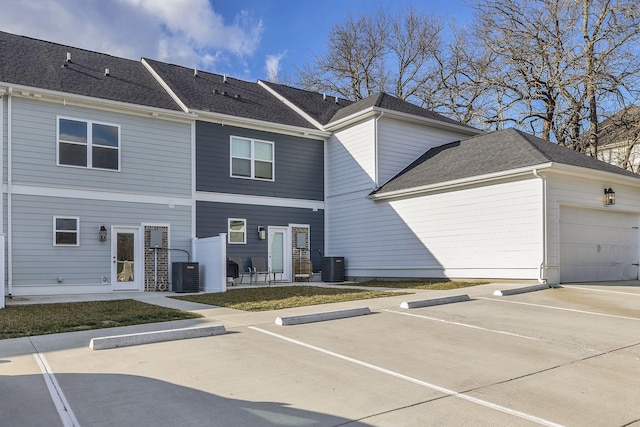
{"type": "Point", "coordinates": [377, 53]}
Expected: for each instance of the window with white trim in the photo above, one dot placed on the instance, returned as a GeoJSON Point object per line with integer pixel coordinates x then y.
{"type": "Point", "coordinates": [252, 158]}
{"type": "Point", "coordinates": [88, 144]}
{"type": "Point", "coordinates": [237, 231]}
{"type": "Point", "coordinates": [66, 231]}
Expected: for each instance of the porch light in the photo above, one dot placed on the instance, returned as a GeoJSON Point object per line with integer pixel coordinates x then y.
{"type": "Point", "coordinates": [103, 233]}
{"type": "Point", "coordinates": [609, 197]}
{"type": "Point", "coordinates": [262, 234]}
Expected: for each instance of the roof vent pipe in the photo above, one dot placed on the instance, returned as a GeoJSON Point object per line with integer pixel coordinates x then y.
{"type": "Point", "coordinates": [336, 99]}
{"type": "Point", "coordinates": [324, 96]}
{"type": "Point", "coordinates": [195, 71]}
{"type": "Point", "coordinates": [224, 78]}
{"type": "Point", "coordinates": [68, 57]}
{"type": "Point", "coordinates": [106, 72]}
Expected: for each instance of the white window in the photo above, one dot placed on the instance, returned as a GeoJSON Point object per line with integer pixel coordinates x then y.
{"type": "Point", "coordinates": [237, 233]}
{"type": "Point", "coordinates": [88, 144]}
{"type": "Point", "coordinates": [251, 158]}
{"type": "Point", "coordinates": [66, 231]}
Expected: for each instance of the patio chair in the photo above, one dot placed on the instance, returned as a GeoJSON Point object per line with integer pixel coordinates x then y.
{"type": "Point", "coordinates": [259, 266]}
{"type": "Point", "coordinates": [242, 270]}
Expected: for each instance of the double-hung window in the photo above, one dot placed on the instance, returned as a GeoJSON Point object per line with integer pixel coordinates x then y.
{"type": "Point", "coordinates": [66, 231]}
{"type": "Point", "coordinates": [252, 158]}
{"type": "Point", "coordinates": [88, 144]}
{"type": "Point", "coordinates": [237, 231]}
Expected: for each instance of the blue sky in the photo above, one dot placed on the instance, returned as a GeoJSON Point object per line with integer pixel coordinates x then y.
{"type": "Point", "coordinates": [247, 39]}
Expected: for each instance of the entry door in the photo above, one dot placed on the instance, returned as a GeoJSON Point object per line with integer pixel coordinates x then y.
{"type": "Point", "coordinates": [279, 252]}
{"type": "Point", "coordinates": [126, 258]}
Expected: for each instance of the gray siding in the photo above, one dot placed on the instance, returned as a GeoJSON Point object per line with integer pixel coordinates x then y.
{"type": "Point", "coordinates": [37, 262]}
{"type": "Point", "coordinates": [299, 164]}
{"type": "Point", "coordinates": [212, 220]}
{"type": "Point", "coordinates": [155, 154]}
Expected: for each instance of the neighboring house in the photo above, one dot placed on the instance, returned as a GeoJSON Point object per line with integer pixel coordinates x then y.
{"type": "Point", "coordinates": [619, 139]}
{"type": "Point", "coordinates": [96, 156]}
{"type": "Point", "coordinates": [259, 168]}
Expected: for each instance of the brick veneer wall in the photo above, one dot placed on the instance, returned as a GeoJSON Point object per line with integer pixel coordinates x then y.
{"type": "Point", "coordinates": [163, 260]}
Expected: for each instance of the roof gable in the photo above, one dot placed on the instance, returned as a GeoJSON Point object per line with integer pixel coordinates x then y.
{"type": "Point", "coordinates": [318, 106]}
{"type": "Point", "coordinates": [489, 153]}
{"type": "Point", "coordinates": [40, 64]}
{"type": "Point", "coordinates": [220, 94]}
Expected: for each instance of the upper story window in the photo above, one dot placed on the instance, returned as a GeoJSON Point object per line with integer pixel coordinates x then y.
{"type": "Point", "coordinates": [88, 144]}
{"type": "Point", "coordinates": [251, 158]}
{"type": "Point", "coordinates": [66, 231]}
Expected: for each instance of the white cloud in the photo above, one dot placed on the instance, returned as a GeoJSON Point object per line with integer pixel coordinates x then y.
{"type": "Point", "coordinates": [272, 65]}
{"type": "Point", "coordinates": [185, 32]}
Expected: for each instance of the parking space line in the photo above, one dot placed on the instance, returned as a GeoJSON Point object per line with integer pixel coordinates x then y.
{"type": "Point", "coordinates": [412, 380]}
{"type": "Point", "coordinates": [67, 416]}
{"type": "Point", "coordinates": [466, 325]}
{"type": "Point", "coordinates": [551, 307]}
{"type": "Point", "coordinates": [601, 290]}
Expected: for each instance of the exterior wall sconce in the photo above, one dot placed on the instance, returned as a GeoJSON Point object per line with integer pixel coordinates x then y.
{"type": "Point", "coordinates": [609, 197]}
{"type": "Point", "coordinates": [103, 233]}
{"type": "Point", "coordinates": [262, 233]}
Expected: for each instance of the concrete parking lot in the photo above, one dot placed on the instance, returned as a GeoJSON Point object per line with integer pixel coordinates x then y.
{"type": "Point", "coordinates": [567, 356]}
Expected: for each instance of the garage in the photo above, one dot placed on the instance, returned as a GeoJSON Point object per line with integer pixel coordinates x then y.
{"type": "Point", "coordinates": [598, 245]}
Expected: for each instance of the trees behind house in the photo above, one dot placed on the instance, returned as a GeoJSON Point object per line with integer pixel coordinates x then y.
{"type": "Point", "coordinates": [555, 68]}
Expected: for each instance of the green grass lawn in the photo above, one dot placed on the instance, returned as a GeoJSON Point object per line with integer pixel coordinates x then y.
{"type": "Point", "coordinates": [429, 285]}
{"type": "Point", "coordinates": [278, 297]}
{"type": "Point", "coordinates": [41, 319]}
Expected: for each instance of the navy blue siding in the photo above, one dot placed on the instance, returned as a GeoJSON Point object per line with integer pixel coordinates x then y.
{"type": "Point", "coordinates": [211, 220]}
{"type": "Point", "coordinates": [299, 164]}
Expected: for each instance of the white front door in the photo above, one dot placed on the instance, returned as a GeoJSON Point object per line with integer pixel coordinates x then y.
{"type": "Point", "coordinates": [279, 252]}
{"type": "Point", "coordinates": [127, 260]}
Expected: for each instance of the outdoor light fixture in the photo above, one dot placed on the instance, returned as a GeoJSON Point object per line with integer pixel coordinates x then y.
{"type": "Point", "coordinates": [262, 234]}
{"type": "Point", "coordinates": [609, 196]}
{"type": "Point", "coordinates": [103, 233]}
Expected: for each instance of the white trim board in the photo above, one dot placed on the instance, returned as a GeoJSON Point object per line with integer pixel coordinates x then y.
{"type": "Point", "coordinates": [258, 200]}
{"type": "Point", "coordinates": [73, 193]}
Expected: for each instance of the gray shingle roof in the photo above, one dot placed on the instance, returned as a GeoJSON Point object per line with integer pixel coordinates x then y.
{"type": "Point", "coordinates": [41, 64]}
{"type": "Point", "coordinates": [388, 102]}
{"type": "Point", "coordinates": [321, 108]}
{"type": "Point", "coordinates": [209, 92]}
{"type": "Point", "coordinates": [489, 153]}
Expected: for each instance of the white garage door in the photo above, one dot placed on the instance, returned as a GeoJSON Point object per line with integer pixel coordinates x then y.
{"type": "Point", "coordinates": [597, 245]}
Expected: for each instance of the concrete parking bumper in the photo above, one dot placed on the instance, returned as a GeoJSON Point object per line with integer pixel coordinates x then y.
{"type": "Point", "coordinates": [102, 343]}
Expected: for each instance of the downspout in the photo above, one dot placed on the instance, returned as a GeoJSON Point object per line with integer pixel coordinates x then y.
{"type": "Point", "coordinates": [9, 190]}
{"type": "Point", "coordinates": [375, 149]}
{"type": "Point", "coordinates": [542, 277]}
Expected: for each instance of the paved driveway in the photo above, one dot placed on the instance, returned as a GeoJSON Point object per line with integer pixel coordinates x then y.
{"type": "Point", "coordinates": [568, 356]}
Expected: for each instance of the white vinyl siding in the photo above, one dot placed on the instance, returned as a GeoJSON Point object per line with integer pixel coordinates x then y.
{"type": "Point", "coordinates": [401, 143]}
{"type": "Point", "coordinates": [490, 231]}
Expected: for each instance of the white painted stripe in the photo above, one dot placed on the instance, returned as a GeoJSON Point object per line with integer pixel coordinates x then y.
{"type": "Point", "coordinates": [112, 196]}
{"type": "Point", "coordinates": [551, 307]}
{"type": "Point", "coordinates": [601, 290]}
{"type": "Point", "coordinates": [412, 380]}
{"type": "Point", "coordinates": [67, 416]}
{"type": "Point", "coordinates": [466, 325]}
{"type": "Point", "coordinates": [241, 199]}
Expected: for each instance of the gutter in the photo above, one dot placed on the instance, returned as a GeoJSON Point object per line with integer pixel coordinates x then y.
{"type": "Point", "coordinates": [542, 278]}
{"type": "Point", "coordinates": [478, 179]}
{"type": "Point", "coordinates": [375, 148]}
{"type": "Point", "coordinates": [9, 191]}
